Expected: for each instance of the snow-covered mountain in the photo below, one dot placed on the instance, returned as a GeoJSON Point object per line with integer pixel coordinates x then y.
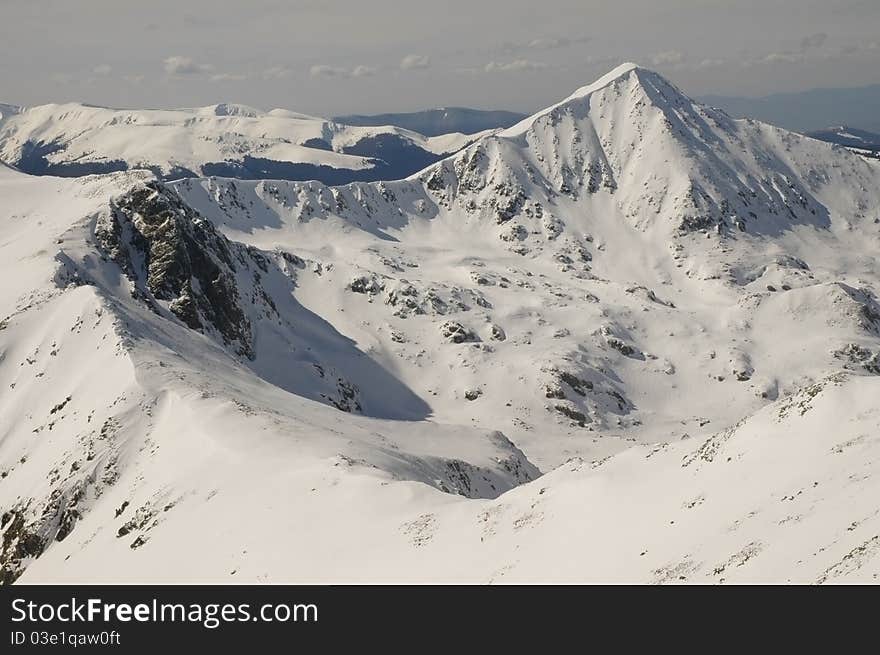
{"type": "Point", "coordinates": [861, 141]}
{"type": "Point", "coordinates": [808, 110]}
{"type": "Point", "coordinates": [671, 314]}
{"type": "Point", "coordinates": [436, 122]}
{"type": "Point", "coordinates": [71, 140]}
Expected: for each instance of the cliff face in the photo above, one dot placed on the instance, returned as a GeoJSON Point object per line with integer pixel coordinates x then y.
{"type": "Point", "coordinates": [171, 254]}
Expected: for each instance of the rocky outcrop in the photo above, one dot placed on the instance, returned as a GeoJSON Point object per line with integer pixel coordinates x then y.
{"type": "Point", "coordinates": [172, 254]}
{"type": "Point", "coordinates": [455, 332]}
{"type": "Point", "coordinates": [856, 357]}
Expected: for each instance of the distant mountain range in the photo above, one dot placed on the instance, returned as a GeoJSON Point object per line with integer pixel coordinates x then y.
{"type": "Point", "coordinates": [434, 122]}
{"type": "Point", "coordinates": [850, 137]}
{"type": "Point", "coordinates": [231, 140]}
{"type": "Point", "coordinates": [809, 110]}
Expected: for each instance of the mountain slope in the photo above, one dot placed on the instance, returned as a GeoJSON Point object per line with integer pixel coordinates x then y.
{"type": "Point", "coordinates": [671, 313]}
{"type": "Point", "coordinates": [233, 140]}
{"type": "Point", "coordinates": [788, 495]}
{"type": "Point", "coordinates": [614, 254]}
{"type": "Point", "coordinates": [128, 379]}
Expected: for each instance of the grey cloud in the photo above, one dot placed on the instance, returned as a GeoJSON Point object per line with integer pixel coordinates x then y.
{"type": "Point", "coordinates": [515, 66]}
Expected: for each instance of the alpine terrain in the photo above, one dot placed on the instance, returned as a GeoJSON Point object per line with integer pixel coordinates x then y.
{"type": "Point", "coordinates": [626, 339]}
{"type": "Point", "coordinates": [72, 140]}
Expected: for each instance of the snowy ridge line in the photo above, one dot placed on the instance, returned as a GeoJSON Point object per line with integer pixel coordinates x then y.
{"type": "Point", "coordinates": [73, 139]}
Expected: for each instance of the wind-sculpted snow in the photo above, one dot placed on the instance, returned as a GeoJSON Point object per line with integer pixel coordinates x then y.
{"type": "Point", "coordinates": [673, 314]}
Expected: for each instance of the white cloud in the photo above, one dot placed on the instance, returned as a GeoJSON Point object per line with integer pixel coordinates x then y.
{"type": "Point", "coordinates": [515, 66]}
{"type": "Point", "coordinates": [413, 62]}
{"type": "Point", "coordinates": [363, 71]}
{"type": "Point", "coordinates": [711, 63]}
{"type": "Point", "coordinates": [667, 58]}
{"type": "Point", "coordinates": [178, 65]}
{"type": "Point", "coordinates": [803, 54]}
{"type": "Point", "coordinates": [228, 77]}
{"type": "Point", "coordinates": [323, 70]}
{"type": "Point", "coordinates": [102, 69]}
{"type": "Point", "coordinates": [783, 57]}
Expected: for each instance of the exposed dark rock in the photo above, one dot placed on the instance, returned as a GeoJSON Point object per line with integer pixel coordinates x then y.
{"type": "Point", "coordinates": [59, 406]}
{"type": "Point", "coordinates": [348, 397]}
{"type": "Point", "coordinates": [20, 542]}
{"type": "Point", "coordinates": [620, 346]}
{"type": "Point", "coordinates": [497, 333]}
{"type": "Point", "coordinates": [473, 394]}
{"type": "Point", "coordinates": [142, 516]}
{"type": "Point", "coordinates": [457, 333]}
{"type": "Point", "coordinates": [366, 284]}
{"type": "Point", "coordinates": [578, 417]}
{"type": "Point", "coordinates": [743, 374]}
{"type": "Point", "coordinates": [578, 386]}
{"type": "Point", "coordinates": [173, 254]}
{"type": "Point", "coordinates": [856, 356]}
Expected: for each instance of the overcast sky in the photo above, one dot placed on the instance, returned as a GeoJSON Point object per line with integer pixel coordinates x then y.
{"type": "Point", "coordinates": [329, 57]}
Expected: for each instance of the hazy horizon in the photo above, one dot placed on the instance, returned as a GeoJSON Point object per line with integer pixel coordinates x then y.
{"type": "Point", "coordinates": [305, 56]}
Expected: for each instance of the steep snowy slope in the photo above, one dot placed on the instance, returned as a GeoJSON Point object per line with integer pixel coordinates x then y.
{"type": "Point", "coordinates": [671, 313]}
{"type": "Point", "coordinates": [232, 140]}
{"type": "Point", "coordinates": [787, 495]}
{"type": "Point", "coordinates": [140, 351]}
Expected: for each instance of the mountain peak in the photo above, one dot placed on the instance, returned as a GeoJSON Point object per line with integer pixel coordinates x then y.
{"type": "Point", "coordinates": [231, 109]}
{"type": "Point", "coordinates": [611, 76]}
{"type": "Point", "coordinates": [616, 74]}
